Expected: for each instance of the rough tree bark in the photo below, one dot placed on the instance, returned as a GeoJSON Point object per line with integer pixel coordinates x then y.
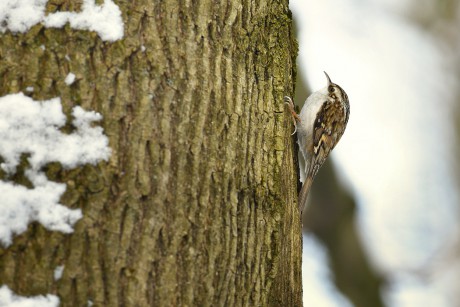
{"type": "Point", "coordinates": [197, 205]}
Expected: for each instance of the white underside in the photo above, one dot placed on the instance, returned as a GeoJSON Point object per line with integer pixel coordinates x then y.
{"type": "Point", "coordinates": [307, 115]}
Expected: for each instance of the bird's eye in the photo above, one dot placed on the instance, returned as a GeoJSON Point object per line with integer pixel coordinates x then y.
{"type": "Point", "coordinates": [331, 88]}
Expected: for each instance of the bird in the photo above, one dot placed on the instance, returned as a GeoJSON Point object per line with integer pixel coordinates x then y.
{"type": "Point", "coordinates": [319, 126]}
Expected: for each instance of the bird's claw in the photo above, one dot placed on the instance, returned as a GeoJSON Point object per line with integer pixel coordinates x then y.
{"type": "Point", "coordinates": [295, 117]}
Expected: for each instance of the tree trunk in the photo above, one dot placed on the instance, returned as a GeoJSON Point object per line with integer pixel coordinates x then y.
{"type": "Point", "coordinates": [197, 204]}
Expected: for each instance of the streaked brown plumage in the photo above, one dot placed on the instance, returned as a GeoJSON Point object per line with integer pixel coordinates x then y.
{"type": "Point", "coordinates": [319, 126]}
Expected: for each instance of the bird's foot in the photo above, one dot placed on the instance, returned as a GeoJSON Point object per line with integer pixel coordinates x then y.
{"type": "Point", "coordinates": [294, 115]}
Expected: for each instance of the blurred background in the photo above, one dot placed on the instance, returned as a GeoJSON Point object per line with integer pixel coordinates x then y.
{"type": "Point", "coordinates": [381, 228]}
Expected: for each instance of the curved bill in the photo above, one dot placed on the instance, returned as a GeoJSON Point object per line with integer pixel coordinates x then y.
{"type": "Point", "coordinates": [328, 79]}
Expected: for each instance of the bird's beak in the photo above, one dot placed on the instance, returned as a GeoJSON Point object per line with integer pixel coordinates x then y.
{"type": "Point", "coordinates": [328, 79]}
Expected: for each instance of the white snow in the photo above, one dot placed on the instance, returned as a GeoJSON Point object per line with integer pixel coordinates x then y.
{"type": "Point", "coordinates": [32, 128]}
{"type": "Point", "coordinates": [69, 79]}
{"type": "Point", "coordinates": [58, 272]}
{"type": "Point", "coordinates": [9, 299]}
{"type": "Point", "coordinates": [30, 89]}
{"type": "Point", "coordinates": [21, 15]}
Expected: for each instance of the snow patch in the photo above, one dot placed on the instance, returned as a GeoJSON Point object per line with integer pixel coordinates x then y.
{"type": "Point", "coordinates": [32, 128]}
{"type": "Point", "coordinates": [69, 79]}
{"type": "Point", "coordinates": [21, 15]}
{"type": "Point", "coordinates": [58, 272]}
{"type": "Point", "coordinates": [9, 299]}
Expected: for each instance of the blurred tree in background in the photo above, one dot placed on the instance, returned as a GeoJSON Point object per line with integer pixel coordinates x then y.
{"type": "Point", "coordinates": [330, 215]}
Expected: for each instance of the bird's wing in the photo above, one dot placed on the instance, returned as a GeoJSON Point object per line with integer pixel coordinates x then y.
{"type": "Point", "coordinates": [325, 136]}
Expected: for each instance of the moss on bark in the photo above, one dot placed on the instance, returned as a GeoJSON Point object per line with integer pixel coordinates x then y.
{"type": "Point", "coordinates": [197, 205]}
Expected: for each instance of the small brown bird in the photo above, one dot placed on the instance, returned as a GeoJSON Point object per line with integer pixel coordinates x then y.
{"type": "Point", "coordinates": [319, 127]}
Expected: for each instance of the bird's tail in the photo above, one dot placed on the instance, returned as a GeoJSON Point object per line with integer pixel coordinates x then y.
{"type": "Point", "coordinates": [304, 193]}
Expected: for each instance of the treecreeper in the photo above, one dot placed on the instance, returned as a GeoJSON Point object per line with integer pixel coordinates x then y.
{"type": "Point", "coordinates": [319, 127]}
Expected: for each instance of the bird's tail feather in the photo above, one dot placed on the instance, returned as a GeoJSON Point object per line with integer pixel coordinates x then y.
{"type": "Point", "coordinates": [304, 193]}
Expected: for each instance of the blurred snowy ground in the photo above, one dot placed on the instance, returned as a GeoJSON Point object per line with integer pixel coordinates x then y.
{"type": "Point", "coordinates": [318, 289]}
{"type": "Point", "coordinates": [398, 152]}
